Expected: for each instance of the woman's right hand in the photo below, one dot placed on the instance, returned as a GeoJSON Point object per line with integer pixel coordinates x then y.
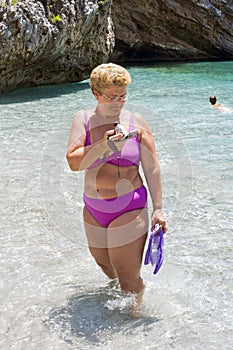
{"type": "Point", "coordinates": [110, 135]}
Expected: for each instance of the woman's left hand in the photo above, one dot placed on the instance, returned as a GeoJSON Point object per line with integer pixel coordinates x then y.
{"type": "Point", "coordinates": [158, 218]}
{"type": "Point", "coordinates": [118, 142]}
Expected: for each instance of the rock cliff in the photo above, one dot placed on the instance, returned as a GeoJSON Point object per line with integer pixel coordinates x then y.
{"type": "Point", "coordinates": [43, 42]}
{"type": "Point", "coordinates": [54, 41]}
{"type": "Point", "coordinates": [173, 30]}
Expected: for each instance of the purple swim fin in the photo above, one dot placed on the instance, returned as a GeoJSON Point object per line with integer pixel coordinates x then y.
{"type": "Point", "coordinates": [155, 249]}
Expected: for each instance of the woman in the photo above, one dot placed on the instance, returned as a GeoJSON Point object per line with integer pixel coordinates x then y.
{"type": "Point", "coordinates": [115, 212]}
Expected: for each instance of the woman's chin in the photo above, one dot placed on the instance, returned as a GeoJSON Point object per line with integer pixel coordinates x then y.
{"type": "Point", "coordinates": [115, 109]}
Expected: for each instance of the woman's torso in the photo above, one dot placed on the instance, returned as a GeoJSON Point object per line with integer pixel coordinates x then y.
{"type": "Point", "coordinates": [110, 179]}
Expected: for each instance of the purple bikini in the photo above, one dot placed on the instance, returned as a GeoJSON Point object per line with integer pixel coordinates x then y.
{"type": "Point", "coordinates": [106, 210]}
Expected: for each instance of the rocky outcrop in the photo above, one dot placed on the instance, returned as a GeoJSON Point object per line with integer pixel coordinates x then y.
{"type": "Point", "coordinates": [55, 41]}
{"type": "Point", "coordinates": [43, 42]}
{"type": "Point", "coordinates": [172, 30]}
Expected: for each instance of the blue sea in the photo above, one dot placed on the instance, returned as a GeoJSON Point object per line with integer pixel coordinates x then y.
{"type": "Point", "coordinates": [53, 296]}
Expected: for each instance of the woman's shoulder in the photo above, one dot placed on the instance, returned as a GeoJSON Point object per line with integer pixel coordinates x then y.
{"type": "Point", "coordinates": [82, 116]}
{"type": "Point", "coordinates": [138, 117]}
{"type": "Point", "coordinates": [139, 121]}
{"type": "Point", "coordinates": [132, 116]}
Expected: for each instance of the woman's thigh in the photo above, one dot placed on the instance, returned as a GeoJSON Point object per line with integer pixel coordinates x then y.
{"type": "Point", "coordinates": [97, 239]}
{"type": "Point", "coordinates": [96, 233]}
{"type": "Point", "coordinates": [127, 260]}
{"type": "Point", "coordinates": [126, 240]}
{"type": "Point", "coordinates": [127, 228]}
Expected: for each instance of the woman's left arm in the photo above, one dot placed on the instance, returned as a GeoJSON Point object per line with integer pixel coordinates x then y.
{"type": "Point", "coordinates": [151, 169]}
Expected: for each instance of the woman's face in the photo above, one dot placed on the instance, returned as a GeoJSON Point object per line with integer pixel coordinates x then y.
{"type": "Point", "coordinates": [112, 99]}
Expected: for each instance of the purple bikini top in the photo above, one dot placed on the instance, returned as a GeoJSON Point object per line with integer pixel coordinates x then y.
{"type": "Point", "coordinates": [128, 156]}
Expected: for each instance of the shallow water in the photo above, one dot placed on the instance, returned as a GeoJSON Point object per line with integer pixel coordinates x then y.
{"type": "Point", "coordinates": [52, 294]}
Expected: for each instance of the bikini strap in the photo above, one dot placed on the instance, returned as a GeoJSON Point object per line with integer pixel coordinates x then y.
{"type": "Point", "coordinates": [88, 136]}
{"type": "Point", "coordinates": [132, 126]}
{"type": "Point", "coordinates": [131, 121]}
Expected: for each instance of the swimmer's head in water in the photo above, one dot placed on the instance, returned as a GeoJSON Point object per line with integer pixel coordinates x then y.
{"type": "Point", "coordinates": [213, 100]}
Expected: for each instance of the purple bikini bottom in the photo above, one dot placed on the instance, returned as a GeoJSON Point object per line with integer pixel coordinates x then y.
{"type": "Point", "coordinates": [106, 210]}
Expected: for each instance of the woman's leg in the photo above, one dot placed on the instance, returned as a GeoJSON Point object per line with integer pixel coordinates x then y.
{"type": "Point", "coordinates": [126, 238]}
{"type": "Point", "coordinates": [97, 242]}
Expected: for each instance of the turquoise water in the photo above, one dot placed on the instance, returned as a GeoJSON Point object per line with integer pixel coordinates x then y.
{"type": "Point", "coordinates": [52, 294]}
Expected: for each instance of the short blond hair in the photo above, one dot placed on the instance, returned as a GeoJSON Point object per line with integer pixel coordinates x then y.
{"type": "Point", "coordinates": [108, 74]}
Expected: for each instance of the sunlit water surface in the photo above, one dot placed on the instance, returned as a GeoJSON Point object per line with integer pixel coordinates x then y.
{"type": "Point", "coordinates": [53, 296]}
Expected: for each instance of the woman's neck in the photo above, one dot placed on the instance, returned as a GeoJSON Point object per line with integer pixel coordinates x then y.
{"type": "Point", "coordinates": [105, 116]}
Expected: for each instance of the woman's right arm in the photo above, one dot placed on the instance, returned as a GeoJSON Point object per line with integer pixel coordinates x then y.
{"type": "Point", "coordinates": [79, 156]}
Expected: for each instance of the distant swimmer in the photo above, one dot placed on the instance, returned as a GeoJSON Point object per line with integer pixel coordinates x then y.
{"type": "Point", "coordinates": [219, 106]}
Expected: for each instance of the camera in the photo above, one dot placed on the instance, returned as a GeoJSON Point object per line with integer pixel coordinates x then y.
{"type": "Point", "coordinates": [119, 129]}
